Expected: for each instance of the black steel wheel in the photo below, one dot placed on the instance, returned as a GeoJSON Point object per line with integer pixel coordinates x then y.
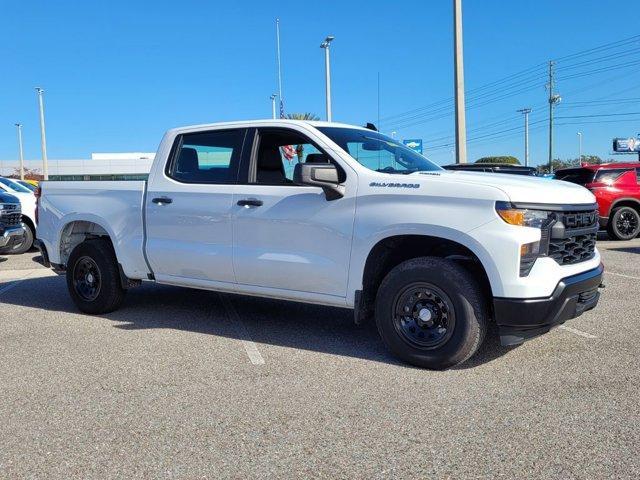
{"type": "Point", "coordinates": [93, 277]}
{"type": "Point", "coordinates": [87, 279]}
{"type": "Point", "coordinates": [624, 223]}
{"type": "Point", "coordinates": [424, 315]}
{"type": "Point", "coordinates": [430, 312]}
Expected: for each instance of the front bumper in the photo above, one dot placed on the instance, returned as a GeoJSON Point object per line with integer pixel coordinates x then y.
{"type": "Point", "coordinates": [8, 234]}
{"type": "Point", "coordinates": [520, 319]}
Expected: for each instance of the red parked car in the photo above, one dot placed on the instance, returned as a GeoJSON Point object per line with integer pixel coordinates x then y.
{"type": "Point", "coordinates": [617, 189]}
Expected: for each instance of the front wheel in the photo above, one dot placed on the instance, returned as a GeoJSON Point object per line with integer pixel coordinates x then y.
{"type": "Point", "coordinates": [430, 313]}
{"type": "Point", "coordinates": [93, 278]}
{"type": "Point", "coordinates": [624, 223]}
{"type": "Point", "coordinates": [23, 245]}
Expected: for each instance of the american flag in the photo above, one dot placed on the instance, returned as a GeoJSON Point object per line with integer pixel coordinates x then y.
{"type": "Point", "coordinates": [288, 151]}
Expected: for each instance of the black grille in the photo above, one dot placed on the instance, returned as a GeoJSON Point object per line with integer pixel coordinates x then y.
{"type": "Point", "coordinates": [11, 219]}
{"type": "Point", "coordinates": [572, 237]}
{"type": "Point", "coordinates": [576, 249]}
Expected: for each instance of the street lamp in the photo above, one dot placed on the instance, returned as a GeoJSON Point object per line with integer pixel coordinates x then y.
{"type": "Point", "coordinates": [579, 146]}
{"type": "Point", "coordinates": [20, 151]}
{"type": "Point", "coordinates": [327, 68]}
{"type": "Point", "coordinates": [43, 136]}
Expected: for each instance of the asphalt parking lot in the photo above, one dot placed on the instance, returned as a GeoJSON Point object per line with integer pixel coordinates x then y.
{"type": "Point", "coordinates": [191, 384]}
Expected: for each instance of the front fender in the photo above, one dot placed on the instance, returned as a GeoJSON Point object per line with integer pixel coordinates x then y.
{"type": "Point", "coordinates": [362, 246]}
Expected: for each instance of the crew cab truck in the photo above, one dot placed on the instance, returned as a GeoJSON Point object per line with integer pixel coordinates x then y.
{"type": "Point", "coordinates": [338, 215]}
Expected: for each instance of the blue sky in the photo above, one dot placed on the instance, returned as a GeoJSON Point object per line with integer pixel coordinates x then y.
{"type": "Point", "coordinates": [119, 73]}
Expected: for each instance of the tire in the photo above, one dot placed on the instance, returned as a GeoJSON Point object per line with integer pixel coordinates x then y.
{"type": "Point", "coordinates": [624, 223]}
{"type": "Point", "coordinates": [453, 302]}
{"type": "Point", "coordinates": [23, 245]}
{"type": "Point", "coordinates": [93, 278]}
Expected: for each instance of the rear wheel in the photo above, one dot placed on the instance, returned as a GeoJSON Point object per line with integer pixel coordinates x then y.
{"type": "Point", "coordinates": [624, 223]}
{"type": "Point", "coordinates": [430, 313]}
{"type": "Point", "coordinates": [93, 278]}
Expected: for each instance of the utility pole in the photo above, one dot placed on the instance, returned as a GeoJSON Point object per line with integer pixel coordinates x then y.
{"type": "Point", "coordinates": [327, 70]}
{"type": "Point", "coordinates": [526, 112]}
{"type": "Point", "coordinates": [43, 136]}
{"type": "Point", "coordinates": [273, 106]}
{"type": "Point", "coordinates": [579, 147]}
{"type": "Point", "coordinates": [553, 100]}
{"type": "Point", "coordinates": [20, 150]}
{"type": "Point", "coordinates": [461, 127]}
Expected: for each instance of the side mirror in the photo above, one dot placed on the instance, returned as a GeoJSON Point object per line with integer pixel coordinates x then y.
{"type": "Point", "coordinates": [324, 176]}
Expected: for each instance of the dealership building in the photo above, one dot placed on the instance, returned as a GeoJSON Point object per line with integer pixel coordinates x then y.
{"type": "Point", "coordinates": [101, 166]}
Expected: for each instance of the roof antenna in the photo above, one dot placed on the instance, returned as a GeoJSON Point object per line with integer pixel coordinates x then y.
{"type": "Point", "coordinates": [371, 126]}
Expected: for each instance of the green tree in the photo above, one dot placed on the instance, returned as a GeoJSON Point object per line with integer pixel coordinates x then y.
{"type": "Point", "coordinates": [303, 116]}
{"type": "Point", "coordinates": [504, 159]}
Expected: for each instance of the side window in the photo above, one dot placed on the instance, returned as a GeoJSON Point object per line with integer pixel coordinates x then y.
{"type": "Point", "coordinates": [609, 176]}
{"type": "Point", "coordinates": [278, 153]}
{"type": "Point", "coordinates": [638, 174]}
{"type": "Point", "coordinates": [207, 157]}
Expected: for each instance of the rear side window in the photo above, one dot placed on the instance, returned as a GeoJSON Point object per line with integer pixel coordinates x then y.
{"type": "Point", "coordinates": [207, 157]}
{"type": "Point", "coordinates": [581, 176]}
{"type": "Point", "coordinates": [608, 176]}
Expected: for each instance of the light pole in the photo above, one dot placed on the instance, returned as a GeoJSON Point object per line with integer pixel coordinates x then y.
{"type": "Point", "coordinates": [526, 112]}
{"type": "Point", "coordinates": [20, 151]}
{"type": "Point", "coordinates": [579, 147]}
{"type": "Point", "coordinates": [273, 106]}
{"type": "Point", "coordinates": [327, 69]}
{"type": "Point", "coordinates": [43, 136]}
{"type": "Point", "coordinates": [461, 125]}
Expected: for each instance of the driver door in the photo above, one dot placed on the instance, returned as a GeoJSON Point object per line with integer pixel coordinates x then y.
{"type": "Point", "coordinates": [290, 238]}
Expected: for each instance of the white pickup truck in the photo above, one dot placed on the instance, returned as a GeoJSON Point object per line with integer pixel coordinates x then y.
{"type": "Point", "coordinates": [337, 215]}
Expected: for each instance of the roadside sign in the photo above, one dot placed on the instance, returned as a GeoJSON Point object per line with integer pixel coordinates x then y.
{"type": "Point", "coordinates": [626, 145]}
{"type": "Point", "coordinates": [414, 144]}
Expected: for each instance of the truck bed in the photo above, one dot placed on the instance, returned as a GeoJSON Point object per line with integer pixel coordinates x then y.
{"type": "Point", "coordinates": [115, 207]}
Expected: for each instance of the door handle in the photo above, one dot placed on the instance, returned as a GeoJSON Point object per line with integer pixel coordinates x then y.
{"type": "Point", "coordinates": [162, 200]}
{"type": "Point", "coordinates": [250, 202]}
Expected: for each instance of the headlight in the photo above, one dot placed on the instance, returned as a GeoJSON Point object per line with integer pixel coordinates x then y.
{"type": "Point", "coordinates": [1, 207]}
{"type": "Point", "coordinates": [522, 216]}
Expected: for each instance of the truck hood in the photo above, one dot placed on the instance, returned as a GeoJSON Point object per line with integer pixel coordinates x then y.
{"type": "Point", "coordinates": [520, 188]}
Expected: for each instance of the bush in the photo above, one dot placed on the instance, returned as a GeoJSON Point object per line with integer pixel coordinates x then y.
{"type": "Point", "coordinates": [506, 159]}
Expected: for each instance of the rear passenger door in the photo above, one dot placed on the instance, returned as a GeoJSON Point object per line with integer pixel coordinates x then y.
{"type": "Point", "coordinates": [188, 210]}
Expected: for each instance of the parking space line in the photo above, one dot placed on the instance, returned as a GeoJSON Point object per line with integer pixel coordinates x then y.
{"type": "Point", "coordinates": [577, 332]}
{"type": "Point", "coordinates": [249, 346]}
{"type": "Point", "coordinates": [14, 283]}
{"type": "Point", "coordinates": [620, 275]}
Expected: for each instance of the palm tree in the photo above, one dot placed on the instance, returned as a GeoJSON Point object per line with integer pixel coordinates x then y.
{"type": "Point", "coordinates": [303, 116]}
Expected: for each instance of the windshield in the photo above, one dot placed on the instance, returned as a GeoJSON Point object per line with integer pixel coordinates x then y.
{"type": "Point", "coordinates": [27, 185]}
{"type": "Point", "coordinates": [378, 152]}
{"type": "Point", "coordinates": [11, 185]}
{"type": "Point", "coordinates": [581, 176]}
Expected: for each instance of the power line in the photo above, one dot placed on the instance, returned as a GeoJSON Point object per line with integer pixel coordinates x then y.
{"type": "Point", "coordinates": [425, 110]}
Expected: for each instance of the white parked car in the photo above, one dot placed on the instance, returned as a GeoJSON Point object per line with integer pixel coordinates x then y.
{"type": "Point", "coordinates": [28, 205]}
{"type": "Point", "coordinates": [337, 215]}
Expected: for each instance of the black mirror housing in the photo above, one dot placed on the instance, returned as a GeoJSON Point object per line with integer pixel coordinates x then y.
{"type": "Point", "coordinates": [323, 175]}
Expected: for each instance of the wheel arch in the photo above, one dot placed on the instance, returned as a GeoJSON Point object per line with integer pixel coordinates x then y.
{"type": "Point", "coordinates": [77, 230]}
{"type": "Point", "coordinates": [626, 202]}
{"type": "Point", "coordinates": [391, 250]}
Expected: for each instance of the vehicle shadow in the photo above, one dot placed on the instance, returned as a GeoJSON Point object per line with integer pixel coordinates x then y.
{"type": "Point", "coordinates": [273, 322]}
